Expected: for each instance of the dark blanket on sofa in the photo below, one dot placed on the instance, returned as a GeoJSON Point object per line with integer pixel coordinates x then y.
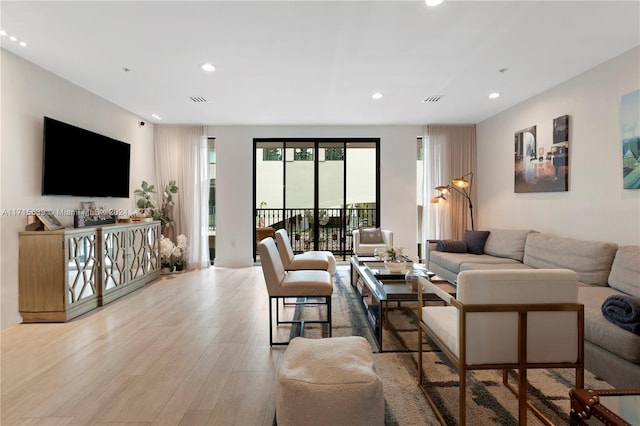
{"type": "Point", "coordinates": [623, 311]}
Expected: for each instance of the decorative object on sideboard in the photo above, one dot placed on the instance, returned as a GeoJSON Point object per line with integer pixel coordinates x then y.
{"type": "Point", "coordinates": [462, 186]}
{"type": "Point", "coordinates": [89, 215]}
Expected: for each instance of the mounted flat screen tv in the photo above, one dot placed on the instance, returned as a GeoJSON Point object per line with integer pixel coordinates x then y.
{"type": "Point", "coordinates": [83, 163]}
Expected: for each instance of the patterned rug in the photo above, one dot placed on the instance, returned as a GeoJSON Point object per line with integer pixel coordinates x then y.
{"type": "Point", "coordinates": [489, 402]}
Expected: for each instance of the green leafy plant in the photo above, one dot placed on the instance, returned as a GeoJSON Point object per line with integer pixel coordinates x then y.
{"type": "Point", "coordinates": [145, 204]}
{"type": "Point", "coordinates": [393, 254]}
{"type": "Point", "coordinates": [164, 214]}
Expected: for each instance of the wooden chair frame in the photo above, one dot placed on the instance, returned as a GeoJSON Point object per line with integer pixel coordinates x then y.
{"type": "Point", "coordinates": [521, 366]}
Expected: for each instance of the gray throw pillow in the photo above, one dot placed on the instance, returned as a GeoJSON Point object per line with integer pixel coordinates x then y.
{"type": "Point", "coordinates": [452, 246]}
{"type": "Point", "coordinates": [371, 236]}
{"type": "Point", "coordinates": [475, 241]}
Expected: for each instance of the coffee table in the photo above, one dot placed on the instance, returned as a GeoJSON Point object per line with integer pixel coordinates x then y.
{"type": "Point", "coordinates": [378, 289]}
{"type": "Point", "coordinates": [617, 407]}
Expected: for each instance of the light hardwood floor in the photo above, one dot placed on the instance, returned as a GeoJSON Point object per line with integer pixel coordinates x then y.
{"type": "Point", "coordinates": [190, 349]}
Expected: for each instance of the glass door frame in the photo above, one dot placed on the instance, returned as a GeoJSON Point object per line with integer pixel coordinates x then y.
{"type": "Point", "coordinates": [346, 142]}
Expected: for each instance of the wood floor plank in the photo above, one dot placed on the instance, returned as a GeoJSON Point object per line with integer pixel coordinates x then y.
{"type": "Point", "coordinates": [189, 349]}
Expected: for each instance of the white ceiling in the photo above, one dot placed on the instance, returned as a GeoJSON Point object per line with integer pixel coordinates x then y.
{"type": "Point", "coordinates": [319, 62]}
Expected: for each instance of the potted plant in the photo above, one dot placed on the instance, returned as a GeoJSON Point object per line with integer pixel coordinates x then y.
{"type": "Point", "coordinates": [164, 214]}
{"type": "Point", "coordinates": [145, 205]}
{"type": "Point", "coordinates": [393, 260]}
{"type": "Point", "coordinates": [166, 252]}
{"type": "Point", "coordinates": [179, 252]}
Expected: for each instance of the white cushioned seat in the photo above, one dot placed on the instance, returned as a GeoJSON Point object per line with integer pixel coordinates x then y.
{"type": "Point", "coordinates": [330, 381]}
{"type": "Point", "coordinates": [313, 259]}
{"type": "Point", "coordinates": [363, 248]}
{"type": "Point", "coordinates": [282, 284]}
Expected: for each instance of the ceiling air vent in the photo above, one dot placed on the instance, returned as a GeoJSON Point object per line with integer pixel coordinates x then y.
{"type": "Point", "coordinates": [198, 99]}
{"type": "Point", "coordinates": [432, 98]}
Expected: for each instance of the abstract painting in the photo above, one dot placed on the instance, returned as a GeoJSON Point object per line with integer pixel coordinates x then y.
{"type": "Point", "coordinates": [540, 168]}
{"type": "Point", "coordinates": [630, 122]}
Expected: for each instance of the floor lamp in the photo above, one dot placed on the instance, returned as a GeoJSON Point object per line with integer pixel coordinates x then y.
{"type": "Point", "coordinates": [461, 185]}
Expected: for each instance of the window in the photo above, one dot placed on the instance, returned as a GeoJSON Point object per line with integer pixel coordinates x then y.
{"type": "Point", "coordinates": [303, 154]}
{"type": "Point", "coordinates": [334, 154]}
{"type": "Point", "coordinates": [272, 154]}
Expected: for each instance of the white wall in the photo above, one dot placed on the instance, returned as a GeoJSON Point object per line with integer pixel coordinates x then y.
{"type": "Point", "coordinates": [596, 207]}
{"type": "Point", "coordinates": [234, 184]}
{"type": "Point", "coordinates": [28, 94]}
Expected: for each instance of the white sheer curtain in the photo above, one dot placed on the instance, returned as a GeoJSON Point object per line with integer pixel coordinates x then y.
{"type": "Point", "coordinates": [450, 152]}
{"type": "Point", "coordinates": [182, 154]}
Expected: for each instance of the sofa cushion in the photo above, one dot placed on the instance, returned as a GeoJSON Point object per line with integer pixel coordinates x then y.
{"type": "Point", "coordinates": [512, 264]}
{"type": "Point", "coordinates": [625, 271]}
{"type": "Point", "coordinates": [602, 332]}
{"type": "Point", "coordinates": [371, 236]}
{"type": "Point", "coordinates": [590, 259]}
{"type": "Point", "coordinates": [453, 261]}
{"type": "Point", "coordinates": [507, 243]}
{"type": "Point", "coordinates": [475, 241]}
{"type": "Point", "coordinates": [452, 246]}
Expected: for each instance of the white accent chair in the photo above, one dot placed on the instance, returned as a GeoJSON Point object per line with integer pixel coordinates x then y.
{"type": "Point", "coordinates": [282, 284]}
{"type": "Point", "coordinates": [323, 260]}
{"type": "Point", "coordinates": [506, 320]}
{"type": "Point", "coordinates": [362, 247]}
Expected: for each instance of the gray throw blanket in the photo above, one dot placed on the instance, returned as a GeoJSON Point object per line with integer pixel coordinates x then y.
{"type": "Point", "coordinates": [623, 311]}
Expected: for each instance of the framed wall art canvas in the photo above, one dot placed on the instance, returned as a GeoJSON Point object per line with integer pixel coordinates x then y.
{"type": "Point", "coordinates": [630, 118]}
{"type": "Point", "coordinates": [542, 167]}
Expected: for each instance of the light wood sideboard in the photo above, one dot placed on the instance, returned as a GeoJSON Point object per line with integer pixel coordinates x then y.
{"type": "Point", "coordinates": [68, 272]}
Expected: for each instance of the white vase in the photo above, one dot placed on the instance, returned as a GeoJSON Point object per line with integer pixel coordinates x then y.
{"type": "Point", "coordinates": [397, 266]}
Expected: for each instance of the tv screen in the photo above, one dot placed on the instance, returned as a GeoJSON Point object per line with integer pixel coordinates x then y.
{"type": "Point", "coordinates": [83, 163]}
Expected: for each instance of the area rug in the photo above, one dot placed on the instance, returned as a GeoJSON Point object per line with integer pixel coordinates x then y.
{"type": "Point", "coordinates": [489, 402]}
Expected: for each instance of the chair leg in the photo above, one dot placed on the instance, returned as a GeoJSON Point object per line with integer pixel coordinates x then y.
{"type": "Point", "coordinates": [271, 321]}
{"type": "Point", "coordinates": [328, 300]}
{"type": "Point", "coordinates": [522, 396]}
{"type": "Point", "coordinates": [463, 395]}
{"type": "Point", "coordinates": [419, 356]}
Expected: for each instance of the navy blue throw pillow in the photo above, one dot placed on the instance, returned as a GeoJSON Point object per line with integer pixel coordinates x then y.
{"type": "Point", "coordinates": [475, 241]}
{"type": "Point", "coordinates": [452, 246]}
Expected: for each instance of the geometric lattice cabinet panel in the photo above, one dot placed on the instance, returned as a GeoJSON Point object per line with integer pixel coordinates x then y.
{"type": "Point", "coordinates": [65, 273]}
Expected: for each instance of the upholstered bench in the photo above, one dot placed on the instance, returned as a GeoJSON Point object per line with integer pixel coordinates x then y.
{"type": "Point", "coordinates": [328, 382]}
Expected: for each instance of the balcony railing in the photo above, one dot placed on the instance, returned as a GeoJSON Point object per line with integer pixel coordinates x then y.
{"type": "Point", "coordinates": [334, 231]}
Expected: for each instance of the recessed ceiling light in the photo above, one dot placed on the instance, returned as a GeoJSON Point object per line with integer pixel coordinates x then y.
{"type": "Point", "coordinates": [13, 38]}
{"type": "Point", "coordinates": [208, 67]}
{"type": "Point", "coordinates": [156, 116]}
{"type": "Point", "coordinates": [433, 2]}
{"type": "Point", "coordinates": [494, 95]}
{"type": "Point", "coordinates": [376, 95]}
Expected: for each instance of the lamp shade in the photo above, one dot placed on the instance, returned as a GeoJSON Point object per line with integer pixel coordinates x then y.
{"type": "Point", "coordinates": [438, 199]}
{"type": "Point", "coordinates": [443, 189]}
{"type": "Point", "coordinates": [460, 182]}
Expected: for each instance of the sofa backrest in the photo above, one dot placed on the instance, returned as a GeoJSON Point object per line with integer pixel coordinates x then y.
{"type": "Point", "coordinates": [508, 243]}
{"type": "Point", "coordinates": [591, 260]}
{"type": "Point", "coordinates": [625, 271]}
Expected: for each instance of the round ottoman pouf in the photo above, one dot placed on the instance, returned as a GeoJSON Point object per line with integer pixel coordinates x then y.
{"type": "Point", "coordinates": [328, 382]}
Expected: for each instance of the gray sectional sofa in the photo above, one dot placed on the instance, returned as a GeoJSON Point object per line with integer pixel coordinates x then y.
{"type": "Point", "coordinates": [611, 353]}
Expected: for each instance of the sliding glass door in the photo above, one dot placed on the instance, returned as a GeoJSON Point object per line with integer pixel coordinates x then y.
{"type": "Point", "coordinates": [316, 189]}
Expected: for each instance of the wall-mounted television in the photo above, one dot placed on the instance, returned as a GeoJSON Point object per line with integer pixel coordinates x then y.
{"type": "Point", "coordinates": [79, 162]}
